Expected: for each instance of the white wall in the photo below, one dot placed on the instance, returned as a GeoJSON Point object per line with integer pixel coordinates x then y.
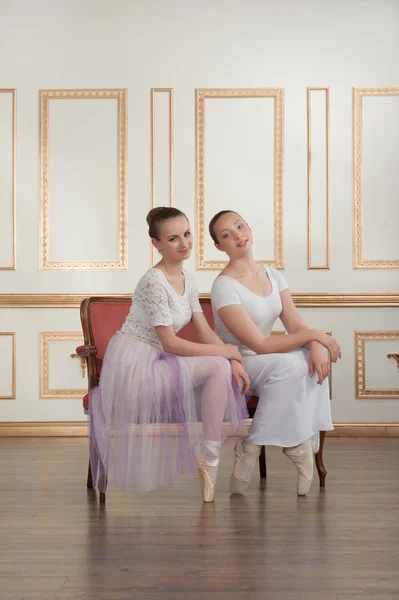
{"type": "Point", "coordinates": [185, 45]}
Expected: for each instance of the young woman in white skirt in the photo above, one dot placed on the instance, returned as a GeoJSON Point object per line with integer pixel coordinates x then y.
{"type": "Point", "coordinates": [288, 372]}
{"type": "Point", "coordinates": [161, 403]}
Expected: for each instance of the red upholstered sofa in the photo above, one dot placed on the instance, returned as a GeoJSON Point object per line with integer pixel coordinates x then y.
{"type": "Point", "coordinates": [101, 317]}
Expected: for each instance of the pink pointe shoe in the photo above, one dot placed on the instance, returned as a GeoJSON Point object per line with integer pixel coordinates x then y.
{"type": "Point", "coordinates": [207, 483]}
{"type": "Point", "coordinates": [206, 455]}
{"type": "Point", "coordinates": [302, 457]}
{"type": "Point", "coordinates": [246, 457]}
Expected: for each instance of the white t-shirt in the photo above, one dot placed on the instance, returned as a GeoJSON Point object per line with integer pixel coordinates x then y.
{"type": "Point", "coordinates": [155, 303]}
{"type": "Point", "coordinates": [263, 310]}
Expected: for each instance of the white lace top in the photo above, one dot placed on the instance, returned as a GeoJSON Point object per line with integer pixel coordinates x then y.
{"type": "Point", "coordinates": [155, 302]}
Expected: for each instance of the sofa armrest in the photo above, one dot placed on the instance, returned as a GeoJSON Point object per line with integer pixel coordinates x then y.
{"type": "Point", "coordinates": [86, 351]}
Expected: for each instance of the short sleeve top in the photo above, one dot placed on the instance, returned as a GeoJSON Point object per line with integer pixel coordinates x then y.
{"type": "Point", "coordinates": [263, 310]}
{"type": "Point", "coordinates": [156, 303]}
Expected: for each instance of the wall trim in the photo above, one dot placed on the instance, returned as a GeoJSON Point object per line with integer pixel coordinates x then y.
{"type": "Point", "coordinates": [80, 429]}
{"type": "Point", "coordinates": [327, 226]}
{"type": "Point", "coordinates": [44, 429]}
{"type": "Point", "coordinates": [201, 97]}
{"type": "Point", "coordinates": [58, 95]}
{"type": "Point", "coordinates": [13, 265]}
{"type": "Point", "coordinates": [154, 92]}
{"type": "Point", "coordinates": [305, 300]}
{"type": "Point", "coordinates": [359, 262]}
{"type": "Point", "coordinates": [382, 430]}
{"type": "Point", "coordinates": [362, 391]}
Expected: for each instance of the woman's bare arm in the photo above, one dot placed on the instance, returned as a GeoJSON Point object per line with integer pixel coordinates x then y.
{"type": "Point", "coordinates": [205, 333]}
{"type": "Point", "coordinates": [293, 323]}
{"type": "Point", "coordinates": [237, 320]}
{"type": "Point", "coordinates": [176, 345]}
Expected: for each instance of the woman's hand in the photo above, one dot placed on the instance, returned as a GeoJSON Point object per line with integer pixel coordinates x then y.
{"type": "Point", "coordinates": [330, 344]}
{"type": "Point", "coordinates": [239, 373]}
{"type": "Point", "coordinates": [319, 363]}
{"type": "Point", "coordinates": [230, 352]}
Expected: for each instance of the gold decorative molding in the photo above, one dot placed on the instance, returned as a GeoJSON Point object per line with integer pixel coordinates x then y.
{"type": "Point", "coordinates": [83, 364]}
{"type": "Point", "coordinates": [395, 356]}
{"type": "Point", "coordinates": [351, 300]}
{"type": "Point", "coordinates": [155, 91]}
{"type": "Point", "coordinates": [360, 365]}
{"type": "Point", "coordinates": [309, 129]}
{"type": "Point", "coordinates": [201, 95]}
{"type": "Point", "coordinates": [45, 339]}
{"type": "Point", "coordinates": [358, 261]}
{"type": "Point", "coordinates": [13, 93]}
{"type": "Point", "coordinates": [301, 300]}
{"type": "Point", "coordinates": [48, 300]}
{"type": "Point", "coordinates": [115, 94]}
{"type": "Point", "coordinates": [80, 429]}
{"type": "Point", "coordinates": [14, 365]}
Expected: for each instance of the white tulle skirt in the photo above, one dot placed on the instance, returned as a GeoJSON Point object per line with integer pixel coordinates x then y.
{"type": "Point", "coordinates": [151, 409]}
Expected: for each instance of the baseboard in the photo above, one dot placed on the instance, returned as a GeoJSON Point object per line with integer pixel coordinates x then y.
{"type": "Point", "coordinates": [44, 429]}
{"type": "Point", "coordinates": [382, 430]}
{"type": "Point", "coordinates": [80, 429]}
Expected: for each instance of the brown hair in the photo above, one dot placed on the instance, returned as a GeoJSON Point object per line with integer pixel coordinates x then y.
{"type": "Point", "coordinates": [158, 215]}
{"type": "Point", "coordinates": [214, 220]}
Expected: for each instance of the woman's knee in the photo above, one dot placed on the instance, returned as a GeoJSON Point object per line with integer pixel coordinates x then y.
{"type": "Point", "coordinates": [215, 369]}
{"type": "Point", "coordinates": [222, 367]}
{"type": "Point", "coordinates": [292, 366]}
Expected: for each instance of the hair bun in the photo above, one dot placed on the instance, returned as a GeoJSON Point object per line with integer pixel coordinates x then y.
{"type": "Point", "coordinates": [154, 212]}
{"type": "Point", "coordinates": [158, 215]}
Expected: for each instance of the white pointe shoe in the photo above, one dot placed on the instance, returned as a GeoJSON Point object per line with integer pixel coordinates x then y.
{"type": "Point", "coordinates": [302, 457]}
{"type": "Point", "coordinates": [246, 457]}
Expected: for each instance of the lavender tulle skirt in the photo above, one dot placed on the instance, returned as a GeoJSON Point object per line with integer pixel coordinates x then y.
{"type": "Point", "coordinates": [152, 410]}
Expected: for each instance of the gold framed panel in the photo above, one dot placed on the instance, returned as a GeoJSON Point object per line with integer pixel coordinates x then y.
{"type": "Point", "coordinates": [358, 261]}
{"type": "Point", "coordinates": [13, 395]}
{"type": "Point", "coordinates": [201, 95]}
{"type": "Point", "coordinates": [155, 91]}
{"type": "Point", "coordinates": [360, 365]}
{"type": "Point", "coordinates": [13, 93]}
{"type": "Point", "coordinates": [45, 339]}
{"type": "Point", "coordinates": [328, 210]}
{"type": "Point", "coordinates": [112, 94]}
{"type": "Point", "coordinates": [303, 300]}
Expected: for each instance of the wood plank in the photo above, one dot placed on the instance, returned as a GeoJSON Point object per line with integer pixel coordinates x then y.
{"type": "Point", "coordinates": [23, 584]}
{"type": "Point", "coordinates": [60, 544]}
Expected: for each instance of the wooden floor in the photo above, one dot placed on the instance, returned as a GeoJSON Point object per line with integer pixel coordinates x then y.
{"type": "Point", "coordinates": [57, 542]}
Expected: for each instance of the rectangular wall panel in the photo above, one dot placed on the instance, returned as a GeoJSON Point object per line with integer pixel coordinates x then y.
{"type": "Point", "coordinates": [239, 166]}
{"type": "Point", "coordinates": [8, 367]}
{"type": "Point", "coordinates": [377, 364]}
{"type": "Point", "coordinates": [162, 151]}
{"type": "Point", "coordinates": [60, 376]}
{"type": "Point", "coordinates": [83, 151]}
{"type": "Point", "coordinates": [376, 177]}
{"type": "Point", "coordinates": [8, 142]}
{"type": "Point", "coordinates": [318, 104]}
